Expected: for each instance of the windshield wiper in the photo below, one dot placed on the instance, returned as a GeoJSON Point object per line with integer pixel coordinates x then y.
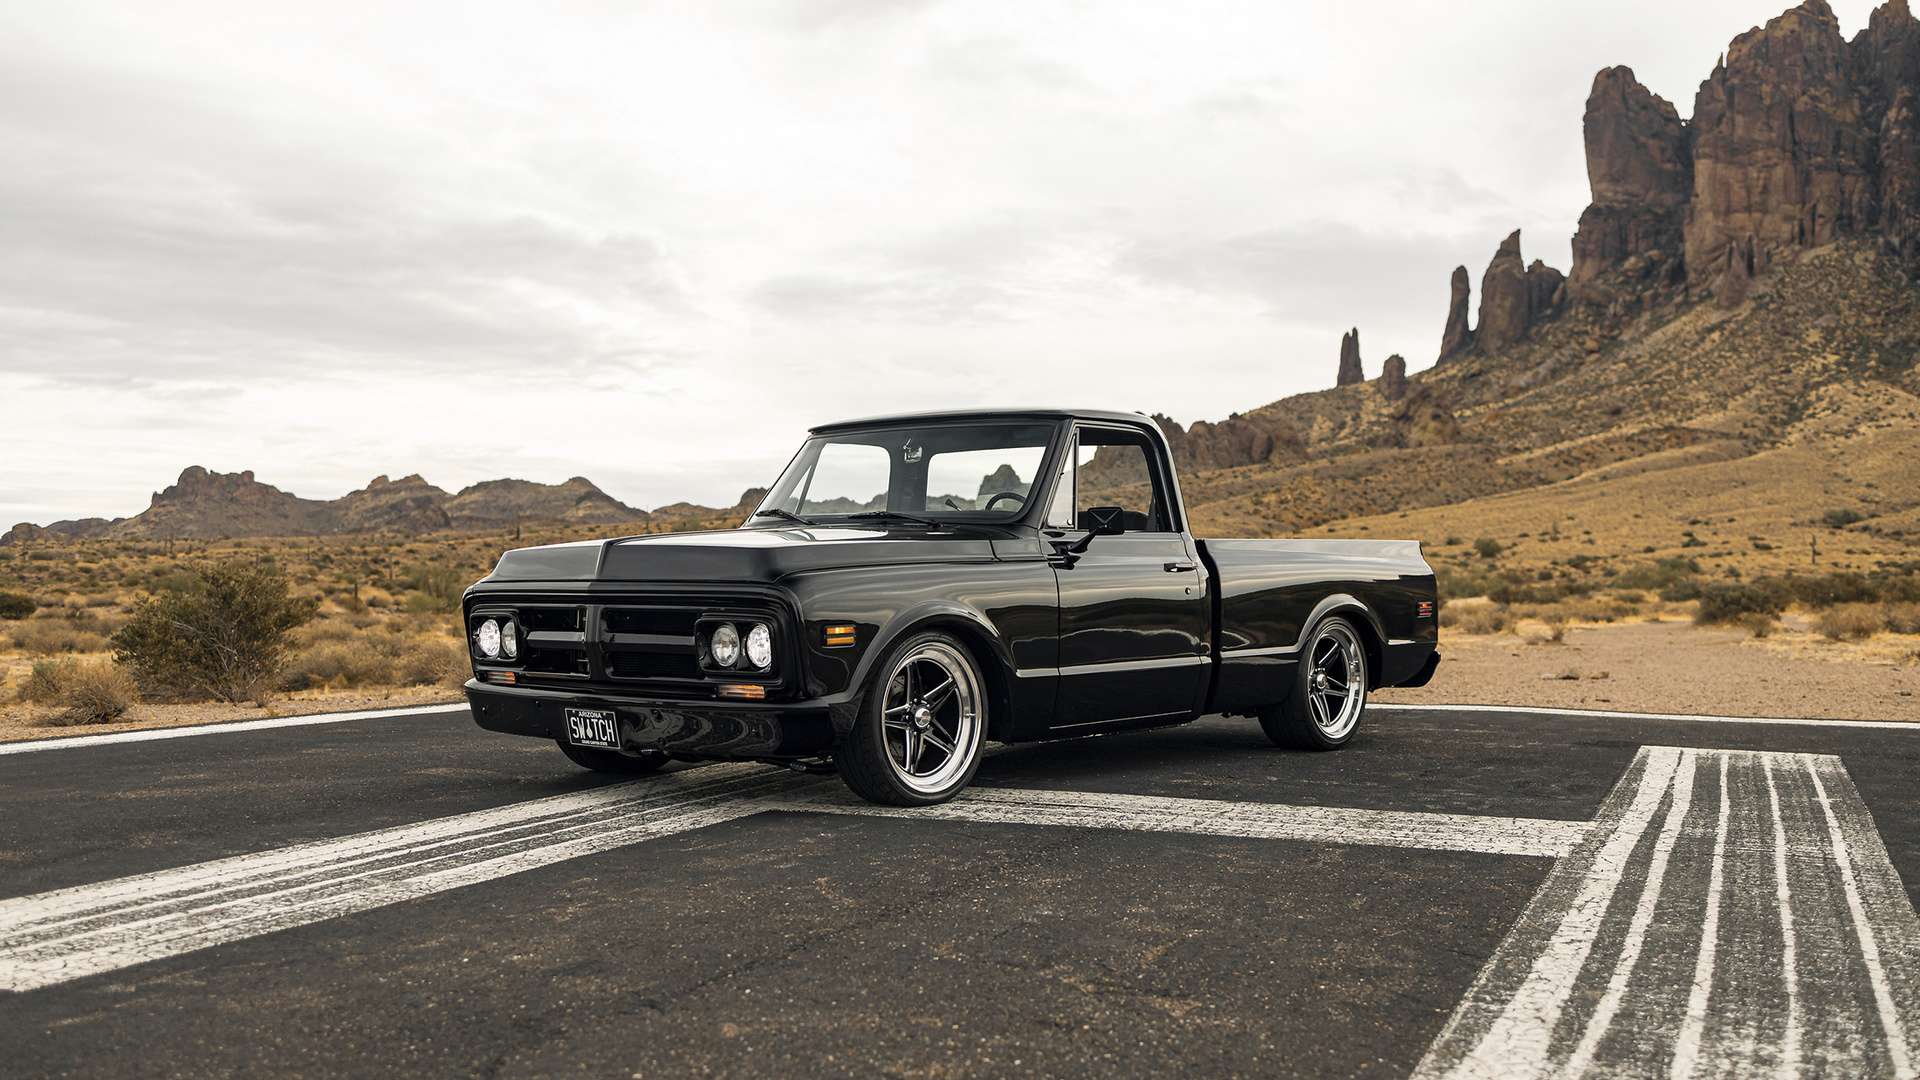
{"type": "Point", "coordinates": [895, 515]}
{"type": "Point", "coordinates": [787, 515]}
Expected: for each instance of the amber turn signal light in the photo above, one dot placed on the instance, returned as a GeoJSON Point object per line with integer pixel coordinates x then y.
{"type": "Point", "coordinates": [839, 636]}
{"type": "Point", "coordinates": [500, 677]}
{"type": "Point", "coordinates": [743, 690]}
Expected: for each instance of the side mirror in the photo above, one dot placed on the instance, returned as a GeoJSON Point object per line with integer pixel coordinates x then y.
{"type": "Point", "coordinates": [1104, 520]}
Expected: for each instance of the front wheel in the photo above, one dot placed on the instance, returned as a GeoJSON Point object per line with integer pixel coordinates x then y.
{"type": "Point", "coordinates": [921, 726]}
{"type": "Point", "coordinates": [611, 761]}
{"type": "Point", "coordinates": [1329, 691]}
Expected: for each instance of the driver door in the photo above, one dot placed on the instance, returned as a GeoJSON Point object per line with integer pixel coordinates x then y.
{"type": "Point", "coordinates": [1134, 622]}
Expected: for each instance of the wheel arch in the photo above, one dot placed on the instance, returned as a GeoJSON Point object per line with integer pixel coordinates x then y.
{"type": "Point", "coordinates": [974, 633]}
{"type": "Point", "coordinates": [1373, 638]}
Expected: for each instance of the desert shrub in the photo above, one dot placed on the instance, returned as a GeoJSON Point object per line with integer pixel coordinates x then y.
{"type": "Point", "coordinates": [1844, 621]}
{"type": "Point", "coordinates": [1487, 547]}
{"type": "Point", "coordinates": [1757, 623]}
{"type": "Point", "coordinates": [1840, 519]}
{"type": "Point", "coordinates": [434, 662]}
{"type": "Point", "coordinates": [95, 694]}
{"type": "Point", "coordinates": [1658, 576]}
{"type": "Point", "coordinates": [1630, 596]}
{"type": "Point", "coordinates": [1467, 582]}
{"type": "Point", "coordinates": [359, 661]}
{"type": "Point", "coordinates": [51, 637]}
{"type": "Point", "coordinates": [1507, 593]}
{"type": "Point", "coordinates": [45, 680]}
{"type": "Point", "coordinates": [1727, 601]}
{"type": "Point", "coordinates": [436, 587]}
{"type": "Point", "coordinates": [1902, 618]}
{"type": "Point", "coordinates": [1829, 589]}
{"type": "Point", "coordinates": [15, 605]}
{"type": "Point", "coordinates": [225, 637]}
{"type": "Point", "coordinates": [1477, 619]}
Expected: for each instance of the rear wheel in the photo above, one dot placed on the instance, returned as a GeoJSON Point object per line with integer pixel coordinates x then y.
{"type": "Point", "coordinates": [921, 726]}
{"type": "Point", "coordinates": [611, 761]}
{"type": "Point", "coordinates": [1328, 694]}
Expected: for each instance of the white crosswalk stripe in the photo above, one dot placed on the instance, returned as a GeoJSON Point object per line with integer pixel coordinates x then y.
{"type": "Point", "coordinates": [1681, 937]}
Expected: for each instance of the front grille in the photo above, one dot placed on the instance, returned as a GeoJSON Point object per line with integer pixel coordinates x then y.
{"type": "Point", "coordinates": [568, 662]}
{"type": "Point", "coordinates": [650, 643]}
{"type": "Point", "coordinates": [638, 645]}
{"type": "Point", "coordinates": [640, 665]}
{"type": "Point", "coordinates": [677, 622]}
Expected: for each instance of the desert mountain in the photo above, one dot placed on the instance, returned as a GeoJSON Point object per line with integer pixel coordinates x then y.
{"type": "Point", "coordinates": [205, 505]}
{"type": "Point", "coordinates": [1742, 287]}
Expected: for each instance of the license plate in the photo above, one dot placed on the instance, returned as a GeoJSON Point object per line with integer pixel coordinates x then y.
{"type": "Point", "coordinates": [593, 727]}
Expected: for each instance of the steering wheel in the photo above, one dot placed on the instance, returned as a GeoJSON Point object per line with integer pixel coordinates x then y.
{"type": "Point", "coordinates": [1005, 495]}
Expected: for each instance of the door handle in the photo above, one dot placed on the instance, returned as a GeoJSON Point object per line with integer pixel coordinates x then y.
{"type": "Point", "coordinates": [1179, 567]}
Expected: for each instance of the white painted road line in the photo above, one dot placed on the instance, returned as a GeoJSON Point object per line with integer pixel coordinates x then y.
{"type": "Point", "coordinates": [1692, 718]}
{"type": "Point", "coordinates": [34, 746]}
{"type": "Point", "coordinates": [57, 936]}
{"type": "Point", "coordinates": [1653, 951]}
{"type": "Point", "coordinates": [1266, 821]}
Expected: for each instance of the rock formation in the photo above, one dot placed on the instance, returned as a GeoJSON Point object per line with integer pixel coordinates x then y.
{"type": "Point", "coordinates": [503, 503]}
{"type": "Point", "coordinates": [1237, 440]}
{"type": "Point", "coordinates": [1779, 150]}
{"type": "Point", "coordinates": [409, 504]}
{"type": "Point", "coordinates": [1350, 370]}
{"type": "Point", "coordinates": [1640, 169]}
{"type": "Point", "coordinates": [1393, 378]}
{"type": "Point", "coordinates": [210, 504]}
{"type": "Point", "coordinates": [1514, 296]}
{"type": "Point", "coordinates": [1458, 336]}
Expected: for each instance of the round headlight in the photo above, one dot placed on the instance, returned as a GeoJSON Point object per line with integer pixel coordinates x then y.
{"type": "Point", "coordinates": [509, 640]}
{"type": "Point", "coordinates": [725, 645]}
{"type": "Point", "coordinates": [488, 639]}
{"type": "Point", "coordinates": [760, 646]}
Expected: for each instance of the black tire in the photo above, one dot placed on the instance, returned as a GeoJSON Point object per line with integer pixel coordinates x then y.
{"type": "Point", "coordinates": [611, 761]}
{"type": "Point", "coordinates": [926, 698]}
{"type": "Point", "coordinates": [1324, 705]}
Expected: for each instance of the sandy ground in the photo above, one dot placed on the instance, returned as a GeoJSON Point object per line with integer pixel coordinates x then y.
{"type": "Point", "coordinates": [19, 721]}
{"type": "Point", "coordinates": [1630, 667]}
{"type": "Point", "coordinates": [1676, 667]}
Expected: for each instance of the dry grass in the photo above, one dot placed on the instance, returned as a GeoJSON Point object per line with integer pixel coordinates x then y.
{"type": "Point", "coordinates": [1850, 622]}
{"type": "Point", "coordinates": [91, 692]}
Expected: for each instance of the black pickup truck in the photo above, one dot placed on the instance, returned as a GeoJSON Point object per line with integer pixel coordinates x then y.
{"type": "Point", "coordinates": [913, 586]}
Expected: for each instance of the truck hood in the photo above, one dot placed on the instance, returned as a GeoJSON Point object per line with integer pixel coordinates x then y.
{"type": "Point", "coordinates": [748, 555]}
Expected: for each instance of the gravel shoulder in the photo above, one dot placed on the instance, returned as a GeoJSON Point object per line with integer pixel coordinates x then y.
{"type": "Point", "coordinates": [1676, 667]}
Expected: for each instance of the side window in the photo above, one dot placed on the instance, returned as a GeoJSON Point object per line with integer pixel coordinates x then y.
{"type": "Point", "coordinates": [1116, 469]}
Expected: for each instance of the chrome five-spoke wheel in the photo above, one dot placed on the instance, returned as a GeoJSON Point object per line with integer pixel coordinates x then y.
{"type": "Point", "coordinates": [1328, 694]}
{"type": "Point", "coordinates": [918, 738]}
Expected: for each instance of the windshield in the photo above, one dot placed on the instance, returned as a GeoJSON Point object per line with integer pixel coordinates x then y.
{"type": "Point", "coordinates": [975, 472]}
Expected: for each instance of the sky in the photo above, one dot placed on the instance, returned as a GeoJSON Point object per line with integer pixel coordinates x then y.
{"type": "Point", "coordinates": [652, 242]}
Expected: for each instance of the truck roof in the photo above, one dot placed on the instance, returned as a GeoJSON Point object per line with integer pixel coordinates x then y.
{"type": "Point", "coordinates": [1134, 418]}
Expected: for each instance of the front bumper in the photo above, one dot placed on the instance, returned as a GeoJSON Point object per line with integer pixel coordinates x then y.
{"type": "Point", "coordinates": [702, 728]}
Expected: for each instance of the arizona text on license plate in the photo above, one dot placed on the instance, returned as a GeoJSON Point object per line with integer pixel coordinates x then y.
{"type": "Point", "coordinates": [593, 727]}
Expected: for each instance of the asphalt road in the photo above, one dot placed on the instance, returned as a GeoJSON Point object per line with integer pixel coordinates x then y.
{"type": "Point", "coordinates": [1198, 903]}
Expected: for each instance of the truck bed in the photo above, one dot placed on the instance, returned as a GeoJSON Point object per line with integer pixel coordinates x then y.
{"type": "Point", "coordinates": [1268, 593]}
